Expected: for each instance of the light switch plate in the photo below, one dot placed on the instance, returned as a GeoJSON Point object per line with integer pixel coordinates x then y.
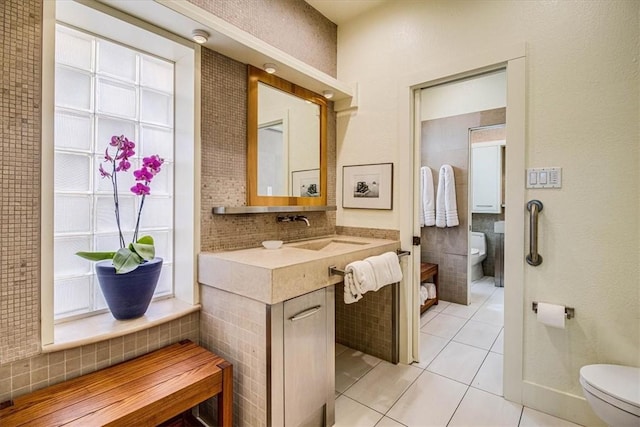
{"type": "Point", "coordinates": [544, 178]}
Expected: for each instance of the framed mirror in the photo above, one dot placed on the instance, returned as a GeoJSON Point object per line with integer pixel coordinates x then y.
{"type": "Point", "coordinates": [286, 143]}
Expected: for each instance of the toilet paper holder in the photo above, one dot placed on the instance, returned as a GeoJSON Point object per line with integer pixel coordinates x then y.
{"type": "Point", "coordinates": [570, 312]}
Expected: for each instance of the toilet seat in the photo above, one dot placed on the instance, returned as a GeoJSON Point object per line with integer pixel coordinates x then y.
{"type": "Point", "coordinates": [617, 385]}
{"type": "Point", "coordinates": [475, 251]}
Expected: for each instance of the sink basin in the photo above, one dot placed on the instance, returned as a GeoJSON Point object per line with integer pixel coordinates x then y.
{"type": "Point", "coordinates": [328, 245]}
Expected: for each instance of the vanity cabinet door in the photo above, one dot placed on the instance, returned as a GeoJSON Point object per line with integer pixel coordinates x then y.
{"type": "Point", "coordinates": [486, 182]}
{"type": "Point", "coordinates": [305, 359]}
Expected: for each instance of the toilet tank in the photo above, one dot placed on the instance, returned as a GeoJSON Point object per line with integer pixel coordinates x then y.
{"type": "Point", "coordinates": [478, 241]}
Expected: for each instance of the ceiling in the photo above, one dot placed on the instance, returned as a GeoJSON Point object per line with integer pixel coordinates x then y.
{"type": "Point", "coordinates": [341, 11]}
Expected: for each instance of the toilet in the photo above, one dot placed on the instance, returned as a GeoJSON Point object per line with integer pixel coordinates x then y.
{"type": "Point", "coordinates": [613, 392]}
{"type": "Point", "coordinates": [478, 254]}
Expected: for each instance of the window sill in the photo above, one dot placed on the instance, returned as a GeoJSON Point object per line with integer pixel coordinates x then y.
{"type": "Point", "coordinates": [103, 326]}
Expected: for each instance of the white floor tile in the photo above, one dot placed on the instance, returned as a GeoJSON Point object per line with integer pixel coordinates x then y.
{"type": "Point", "coordinates": [498, 346]}
{"type": "Point", "coordinates": [478, 334]}
{"type": "Point", "coordinates": [383, 385]}
{"type": "Point", "coordinates": [441, 306]}
{"type": "Point", "coordinates": [479, 408]}
{"type": "Point", "coordinates": [489, 377]}
{"type": "Point", "coordinates": [350, 413]}
{"type": "Point", "coordinates": [427, 316]}
{"type": "Point", "coordinates": [459, 362]}
{"type": "Point", "coordinates": [340, 349]}
{"type": "Point", "coordinates": [490, 313]}
{"type": "Point", "coordinates": [430, 401]}
{"type": "Point", "coordinates": [532, 418]}
{"type": "Point", "coordinates": [460, 310]}
{"type": "Point", "coordinates": [444, 326]}
{"type": "Point", "coordinates": [351, 365]}
{"type": "Point", "coordinates": [430, 346]}
{"type": "Point", "coordinates": [388, 422]}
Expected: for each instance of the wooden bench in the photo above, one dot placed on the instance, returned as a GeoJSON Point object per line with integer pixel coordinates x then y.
{"type": "Point", "coordinates": [144, 391]}
{"type": "Point", "coordinates": [427, 271]}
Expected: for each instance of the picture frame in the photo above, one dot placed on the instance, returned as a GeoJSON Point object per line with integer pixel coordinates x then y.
{"type": "Point", "coordinates": [305, 183]}
{"type": "Point", "coordinates": [367, 186]}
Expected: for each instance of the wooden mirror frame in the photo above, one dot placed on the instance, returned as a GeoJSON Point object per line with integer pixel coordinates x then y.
{"type": "Point", "coordinates": [253, 199]}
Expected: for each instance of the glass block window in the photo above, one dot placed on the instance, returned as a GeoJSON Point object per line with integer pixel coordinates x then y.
{"type": "Point", "coordinates": [103, 89]}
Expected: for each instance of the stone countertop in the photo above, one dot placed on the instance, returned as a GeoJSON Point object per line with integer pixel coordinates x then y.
{"type": "Point", "coordinates": [275, 275]}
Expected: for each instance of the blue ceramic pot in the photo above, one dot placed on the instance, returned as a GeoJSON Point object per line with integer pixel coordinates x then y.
{"type": "Point", "coordinates": [128, 295]}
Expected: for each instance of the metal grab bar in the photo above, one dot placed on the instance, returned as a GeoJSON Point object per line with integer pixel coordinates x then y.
{"type": "Point", "coordinates": [534, 258]}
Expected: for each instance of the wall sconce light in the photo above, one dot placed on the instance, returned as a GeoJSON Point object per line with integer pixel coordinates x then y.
{"type": "Point", "coordinates": [328, 94]}
{"type": "Point", "coordinates": [200, 36]}
{"type": "Point", "coordinates": [270, 68]}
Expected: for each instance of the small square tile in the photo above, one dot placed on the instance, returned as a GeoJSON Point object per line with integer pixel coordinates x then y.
{"type": "Point", "coordinates": [479, 408]}
{"type": "Point", "coordinates": [351, 365]}
{"type": "Point", "coordinates": [350, 413]}
{"type": "Point", "coordinates": [430, 346]}
{"type": "Point", "coordinates": [431, 397]}
{"type": "Point", "coordinates": [444, 326]}
{"type": "Point", "coordinates": [459, 362]}
{"type": "Point", "coordinates": [489, 377]}
{"type": "Point", "coordinates": [478, 334]}
{"type": "Point", "coordinates": [532, 418]}
{"type": "Point", "coordinates": [381, 386]}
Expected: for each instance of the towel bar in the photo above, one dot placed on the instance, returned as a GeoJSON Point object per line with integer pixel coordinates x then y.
{"type": "Point", "coordinates": [333, 270]}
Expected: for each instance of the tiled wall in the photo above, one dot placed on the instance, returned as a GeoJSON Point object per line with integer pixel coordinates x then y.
{"type": "Point", "coordinates": [235, 328]}
{"type": "Point", "coordinates": [32, 373]}
{"type": "Point", "coordinates": [275, 22]}
{"type": "Point", "coordinates": [224, 142]}
{"type": "Point", "coordinates": [20, 179]}
{"type": "Point", "coordinates": [446, 141]}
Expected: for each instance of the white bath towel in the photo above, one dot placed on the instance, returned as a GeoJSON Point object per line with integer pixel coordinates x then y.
{"type": "Point", "coordinates": [431, 291]}
{"type": "Point", "coordinates": [446, 205]}
{"type": "Point", "coordinates": [358, 279]}
{"type": "Point", "coordinates": [424, 294]}
{"type": "Point", "coordinates": [386, 268]}
{"type": "Point", "coordinates": [427, 202]}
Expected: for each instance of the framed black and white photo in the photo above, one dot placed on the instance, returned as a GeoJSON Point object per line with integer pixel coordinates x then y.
{"type": "Point", "coordinates": [305, 183]}
{"type": "Point", "coordinates": [367, 186]}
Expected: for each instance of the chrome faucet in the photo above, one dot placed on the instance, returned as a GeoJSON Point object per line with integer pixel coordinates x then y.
{"type": "Point", "coordinates": [301, 218]}
{"type": "Point", "coordinates": [294, 218]}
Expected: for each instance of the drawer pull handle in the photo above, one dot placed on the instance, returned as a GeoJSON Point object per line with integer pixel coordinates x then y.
{"type": "Point", "coordinates": [306, 313]}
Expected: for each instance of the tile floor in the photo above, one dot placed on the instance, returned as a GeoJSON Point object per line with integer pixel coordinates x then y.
{"type": "Point", "coordinates": [458, 381]}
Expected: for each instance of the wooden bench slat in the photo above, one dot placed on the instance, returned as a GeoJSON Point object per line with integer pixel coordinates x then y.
{"type": "Point", "coordinates": [133, 373]}
{"type": "Point", "coordinates": [159, 359]}
{"type": "Point", "coordinates": [143, 391]}
{"type": "Point", "coordinates": [159, 405]}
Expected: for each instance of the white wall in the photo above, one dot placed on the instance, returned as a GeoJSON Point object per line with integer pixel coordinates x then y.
{"type": "Point", "coordinates": [582, 115]}
{"type": "Point", "coordinates": [478, 93]}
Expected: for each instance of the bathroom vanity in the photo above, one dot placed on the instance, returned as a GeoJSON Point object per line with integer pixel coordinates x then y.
{"type": "Point", "coordinates": [271, 314]}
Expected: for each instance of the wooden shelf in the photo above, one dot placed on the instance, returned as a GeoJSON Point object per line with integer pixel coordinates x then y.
{"type": "Point", "coordinates": [428, 271]}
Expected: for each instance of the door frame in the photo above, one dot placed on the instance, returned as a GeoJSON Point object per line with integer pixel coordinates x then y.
{"type": "Point", "coordinates": [513, 59]}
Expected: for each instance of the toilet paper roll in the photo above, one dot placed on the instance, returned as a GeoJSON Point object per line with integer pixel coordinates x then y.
{"type": "Point", "coordinates": [551, 315]}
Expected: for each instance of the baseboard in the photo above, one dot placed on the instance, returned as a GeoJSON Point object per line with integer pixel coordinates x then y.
{"type": "Point", "coordinates": [559, 404]}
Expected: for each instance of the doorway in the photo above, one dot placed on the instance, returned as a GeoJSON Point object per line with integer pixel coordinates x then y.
{"type": "Point", "coordinates": [512, 60]}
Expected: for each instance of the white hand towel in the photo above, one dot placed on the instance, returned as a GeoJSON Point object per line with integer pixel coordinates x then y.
{"type": "Point", "coordinates": [386, 268]}
{"type": "Point", "coordinates": [427, 204]}
{"type": "Point", "coordinates": [446, 205]}
{"type": "Point", "coordinates": [358, 279]}
{"type": "Point", "coordinates": [441, 221]}
{"type": "Point", "coordinates": [450, 204]}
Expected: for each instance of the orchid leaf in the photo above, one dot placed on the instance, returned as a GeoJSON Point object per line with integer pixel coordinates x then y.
{"type": "Point", "coordinates": [144, 247]}
{"type": "Point", "coordinates": [96, 256]}
{"type": "Point", "coordinates": [126, 260]}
